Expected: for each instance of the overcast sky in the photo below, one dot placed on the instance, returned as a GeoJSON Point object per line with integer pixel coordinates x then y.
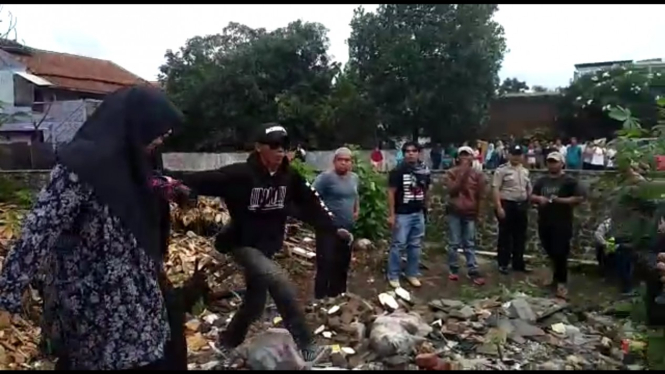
{"type": "Point", "coordinates": [544, 41]}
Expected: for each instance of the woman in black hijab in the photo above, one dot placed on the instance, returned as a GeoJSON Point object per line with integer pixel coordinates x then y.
{"type": "Point", "coordinates": [170, 190]}
{"type": "Point", "coordinates": [103, 307]}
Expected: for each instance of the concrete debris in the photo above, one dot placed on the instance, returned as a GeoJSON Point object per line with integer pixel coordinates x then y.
{"type": "Point", "coordinates": [392, 331]}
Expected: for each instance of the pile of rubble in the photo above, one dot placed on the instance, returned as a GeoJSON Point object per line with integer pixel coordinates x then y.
{"type": "Point", "coordinates": [393, 331]}
{"type": "Point", "coordinates": [190, 244]}
{"type": "Point", "coordinates": [398, 332]}
{"type": "Point", "coordinates": [19, 335]}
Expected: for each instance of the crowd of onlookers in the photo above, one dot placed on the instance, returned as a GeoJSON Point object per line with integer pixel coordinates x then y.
{"type": "Point", "coordinates": [590, 155]}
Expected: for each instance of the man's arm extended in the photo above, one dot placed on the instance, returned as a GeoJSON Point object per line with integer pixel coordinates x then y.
{"type": "Point", "coordinates": [311, 209]}
{"type": "Point", "coordinates": [215, 183]}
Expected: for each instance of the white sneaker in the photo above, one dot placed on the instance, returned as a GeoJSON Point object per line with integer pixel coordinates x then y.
{"type": "Point", "coordinates": [394, 283]}
{"type": "Point", "coordinates": [415, 282]}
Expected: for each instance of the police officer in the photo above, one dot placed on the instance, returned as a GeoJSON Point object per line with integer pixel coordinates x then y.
{"type": "Point", "coordinates": [511, 188]}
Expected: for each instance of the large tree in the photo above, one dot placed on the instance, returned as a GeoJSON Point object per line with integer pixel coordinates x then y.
{"type": "Point", "coordinates": [229, 83]}
{"type": "Point", "coordinates": [430, 69]}
{"type": "Point", "coordinates": [513, 85]}
{"type": "Point", "coordinates": [584, 105]}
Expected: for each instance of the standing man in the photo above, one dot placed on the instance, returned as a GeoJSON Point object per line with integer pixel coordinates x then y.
{"type": "Point", "coordinates": [258, 193]}
{"type": "Point", "coordinates": [511, 189]}
{"type": "Point", "coordinates": [556, 195]}
{"type": "Point", "coordinates": [408, 183]}
{"type": "Point", "coordinates": [338, 189]}
{"type": "Point", "coordinates": [574, 155]}
{"type": "Point", "coordinates": [465, 188]}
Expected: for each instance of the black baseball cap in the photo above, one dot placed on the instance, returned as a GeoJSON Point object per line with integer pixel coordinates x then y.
{"type": "Point", "coordinates": [516, 150]}
{"type": "Point", "coordinates": [272, 133]}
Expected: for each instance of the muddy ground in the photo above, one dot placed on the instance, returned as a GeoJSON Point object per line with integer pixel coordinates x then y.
{"type": "Point", "coordinates": [367, 279]}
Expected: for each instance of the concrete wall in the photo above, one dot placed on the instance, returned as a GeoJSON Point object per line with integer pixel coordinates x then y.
{"type": "Point", "coordinates": [587, 216]}
{"type": "Point", "coordinates": [320, 160]}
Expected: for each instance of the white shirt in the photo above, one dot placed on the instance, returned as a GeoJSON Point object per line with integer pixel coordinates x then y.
{"type": "Point", "coordinates": [563, 149]}
{"type": "Point", "coordinates": [610, 157]}
{"type": "Point", "coordinates": [598, 156]}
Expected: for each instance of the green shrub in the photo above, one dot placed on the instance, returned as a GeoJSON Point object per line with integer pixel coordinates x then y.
{"type": "Point", "coordinates": [12, 193]}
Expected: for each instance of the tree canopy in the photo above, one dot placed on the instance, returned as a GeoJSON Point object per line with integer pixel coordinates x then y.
{"type": "Point", "coordinates": [512, 85]}
{"type": "Point", "coordinates": [585, 104]}
{"type": "Point", "coordinates": [427, 70]}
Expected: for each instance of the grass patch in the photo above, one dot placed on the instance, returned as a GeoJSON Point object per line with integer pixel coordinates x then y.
{"type": "Point", "coordinates": [13, 193]}
{"type": "Point", "coordinates": [655, 350]}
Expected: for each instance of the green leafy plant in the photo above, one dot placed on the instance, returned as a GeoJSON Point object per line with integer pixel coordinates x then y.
{"type": "Point", "coordinates": [372, 189]}
{"type": "Point", "coordinates": [630, 126]}
{"type": "Point", "coordinates": [12, 193]}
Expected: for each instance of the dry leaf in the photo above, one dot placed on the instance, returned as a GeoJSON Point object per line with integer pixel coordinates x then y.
{"type": "Point", "coordinates": [196, 342]}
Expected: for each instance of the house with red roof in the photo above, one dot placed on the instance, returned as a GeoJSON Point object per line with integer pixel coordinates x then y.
{"type": "Point", "coordinates": [40, 76]}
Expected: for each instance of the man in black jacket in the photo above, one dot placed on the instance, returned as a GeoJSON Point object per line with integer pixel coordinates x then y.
{"type": "Point", "coordinates": [257, 193]}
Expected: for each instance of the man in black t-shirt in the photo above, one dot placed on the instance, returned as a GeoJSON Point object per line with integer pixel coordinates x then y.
{"type": "Point", "coordinates": [556, 195]}
{"type": "Point", "coordinates": [407, 203]}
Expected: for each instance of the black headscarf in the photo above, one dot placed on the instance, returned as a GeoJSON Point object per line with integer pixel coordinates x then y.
{"type": "Point", "coordinates": [108, 152]}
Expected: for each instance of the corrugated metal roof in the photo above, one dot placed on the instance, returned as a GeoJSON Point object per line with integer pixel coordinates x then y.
{"type": "Point", "coordinates": [77, 73]}
{"type": "Point", "coordinates": [33, 78]}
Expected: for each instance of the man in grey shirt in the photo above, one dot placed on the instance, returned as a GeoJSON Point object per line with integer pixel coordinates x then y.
{"type": "Point", "coordinates": [338, 189]}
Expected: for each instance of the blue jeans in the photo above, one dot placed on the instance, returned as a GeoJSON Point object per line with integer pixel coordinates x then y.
{"type": "Point", "coordinates": [462, 235]}
{"type": "Point", "coordinates": [408, 234]}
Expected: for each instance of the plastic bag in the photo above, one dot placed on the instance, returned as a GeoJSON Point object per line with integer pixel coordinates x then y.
{"type": "Point", "coordinates": [397, 333]}
{"type": "Point", "coordinates": [274, 350]}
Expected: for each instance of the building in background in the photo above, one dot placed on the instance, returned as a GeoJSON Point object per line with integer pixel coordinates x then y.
{"type": "Point", "coordinates": [46, 96]}
{"type": "Point", "coordinates": [56, 91]}
{"type": "Point", "coordinates": [651, 65]}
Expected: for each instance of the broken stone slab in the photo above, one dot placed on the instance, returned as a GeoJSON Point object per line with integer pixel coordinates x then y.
{"type": "Point", "coordinates": [524, 329]}
{"type": "Point", "coordinates": [465, 313]}
{"type": "Point", "coordinates": [520, 308]}
{"type": "Point", "coordinates": [446, 304]}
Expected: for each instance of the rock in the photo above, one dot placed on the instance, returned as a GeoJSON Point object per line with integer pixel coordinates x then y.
{"type": "Point", "coordinates": [451, 303]}
{"type": "Point", "coordinates": [210, 365]}
{"type": "Point", "coordinates": [465, 313]}
{"type": "Point", "coordinates": [430, 361]}
{"type": "Point", "coordinates": [504, 324]}
{"type": "Point", "coordinates": [525, 329]}
{"type": "Point", "coordinates": [599, 321]}
{"type": "Point", "coordinates": [362, 244]}
{"type": "Point", "coordinates": [575, 360]}
{"type": "Point", "coordinates": [488, 349]}
{"type": "Point", "coordinates": [427, 360]}
{"type": "Point", "coordinates": [337, 359]}
{"type": "Point", "coordinates": [396, 360]}
{"type": "Point", "coordinates": [549, 365]}
{"type": "Point", "coordinates": [520, 308]}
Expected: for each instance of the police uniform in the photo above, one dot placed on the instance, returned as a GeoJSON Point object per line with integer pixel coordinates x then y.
{"type": "Point", "coordinates": [514, 188]}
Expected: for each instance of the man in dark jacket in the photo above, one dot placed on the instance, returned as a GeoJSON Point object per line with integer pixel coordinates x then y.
{"type": "Point", "coordinates": [257, 193]}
